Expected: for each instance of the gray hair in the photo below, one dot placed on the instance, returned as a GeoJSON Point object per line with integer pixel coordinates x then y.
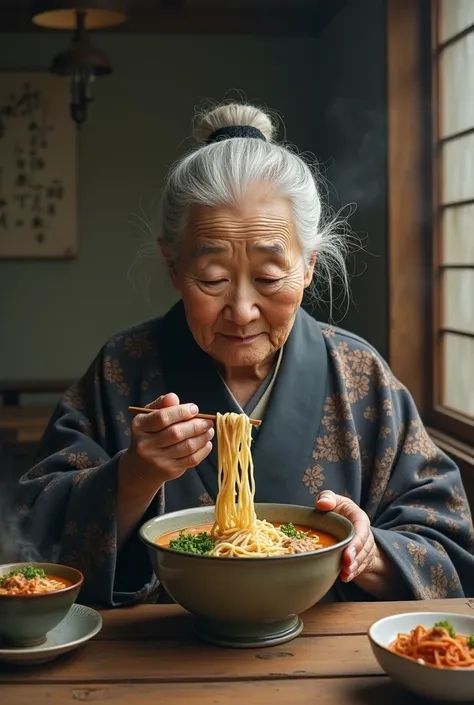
{"type": "Point", "coordinates": [219, 173]}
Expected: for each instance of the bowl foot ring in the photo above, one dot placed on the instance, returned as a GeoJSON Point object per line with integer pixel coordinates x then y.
{"type": "Point", "coordinates": [256, 636]}
{"type": "Point", "coordinates": [24, 643]}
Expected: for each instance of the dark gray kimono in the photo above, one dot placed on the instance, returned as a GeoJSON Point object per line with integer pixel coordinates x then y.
{"type": "Point", "coordinates": [337, 419]}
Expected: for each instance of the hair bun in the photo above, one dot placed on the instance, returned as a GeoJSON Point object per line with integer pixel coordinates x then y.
{"type": "Point", "coordinates": [233, 114]}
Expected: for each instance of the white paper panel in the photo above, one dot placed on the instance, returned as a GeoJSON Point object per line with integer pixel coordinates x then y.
{"type": "Point", "coordinates": [458, 235]}
{"type": "Point", "coordinates": [456, 66]}
{"type": "Point", "coordinates": [458, 304]}
{"type": "Point", "coordinates": [456, 15]}
{"type": "Point", "coordinates": [458, 169]}
{"type": "Point", "coordinates": [459, 374]}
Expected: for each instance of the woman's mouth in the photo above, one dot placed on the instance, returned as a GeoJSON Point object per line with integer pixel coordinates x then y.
{"type": "Point", "coordinates": [241, 340]}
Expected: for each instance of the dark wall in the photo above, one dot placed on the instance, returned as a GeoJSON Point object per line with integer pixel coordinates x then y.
{"type": "Point", "coordinates": [349, 86]}
{"type": "Point", "coordinates": [331, 94]}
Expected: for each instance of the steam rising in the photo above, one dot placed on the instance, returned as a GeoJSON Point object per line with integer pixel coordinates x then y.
{"type": "Point", "coordinates": [15, 545]}
{"type": "Point", "coordinates": [360, 136]}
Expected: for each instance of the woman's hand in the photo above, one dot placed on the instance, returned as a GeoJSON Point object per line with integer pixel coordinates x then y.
{"type": "Point", "coordinates": [362, 553]}
{"type": "Point", "coordinates": [167, 442]}
{"type": "Point", "coordinates": [363, 561]}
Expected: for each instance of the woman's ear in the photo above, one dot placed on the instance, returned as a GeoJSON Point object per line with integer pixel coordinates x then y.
{"type": "Point", "coordinates": [309, 270]}
{"type": "Point", "coordinates": [169, 261]}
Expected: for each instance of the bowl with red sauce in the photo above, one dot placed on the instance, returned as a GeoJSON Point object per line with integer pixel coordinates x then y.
{"type": "Point", "coordinates": [248, 601]}
{"type": "Point", "coordinates": [34, 598]}
{"type": "Point", "coordinates": [428, 653]}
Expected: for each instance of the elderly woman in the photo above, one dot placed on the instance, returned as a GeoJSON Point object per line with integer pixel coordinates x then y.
{"type": "Point", "coordinates": [241, 235]}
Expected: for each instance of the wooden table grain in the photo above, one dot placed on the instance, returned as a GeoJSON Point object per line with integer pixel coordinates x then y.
{"type": "Point", "coordinates": [149, 654]}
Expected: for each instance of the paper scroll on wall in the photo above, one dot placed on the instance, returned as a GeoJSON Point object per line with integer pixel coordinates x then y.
{"type": "Point", "coordinates": [38, 211]}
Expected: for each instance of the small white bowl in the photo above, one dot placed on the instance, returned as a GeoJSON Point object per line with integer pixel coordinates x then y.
{"type": "Point", "coordinates": [445, 684]}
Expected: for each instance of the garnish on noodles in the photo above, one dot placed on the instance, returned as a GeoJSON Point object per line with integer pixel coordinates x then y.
{"type": "Point", "coordinates": [200, 543]}
{"type": "Point", "coordinates": [30, 581]}
{"type": "Point", "coordinates": [438, 646]}
{"type": "Point", "coordinates": [292, 532]}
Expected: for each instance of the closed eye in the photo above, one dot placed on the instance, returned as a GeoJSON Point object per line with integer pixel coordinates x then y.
{"type": "Point", "coordinates": [265, 280]}
{"type": "Point", "coordinates": [213, 282]}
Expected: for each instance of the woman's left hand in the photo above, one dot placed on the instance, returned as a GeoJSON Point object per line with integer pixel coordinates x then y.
{"type": "Point", "coordinates": [362, 553]}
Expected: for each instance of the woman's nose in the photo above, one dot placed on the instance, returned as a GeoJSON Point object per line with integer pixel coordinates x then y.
{"type": "Point", "coordinates": [242, 311]}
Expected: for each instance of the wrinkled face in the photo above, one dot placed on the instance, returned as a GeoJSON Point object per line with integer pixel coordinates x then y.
{"type": "Point", "coordinates": [241, 275]}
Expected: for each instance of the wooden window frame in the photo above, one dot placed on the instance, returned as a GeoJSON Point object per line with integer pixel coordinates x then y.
{"type": "Point", "coordinates": [413, 223]}
{"type": "Point", "coordinates": [439, 416]}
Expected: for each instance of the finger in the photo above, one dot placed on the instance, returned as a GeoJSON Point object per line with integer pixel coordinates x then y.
{"type": "Point", "coordinates": [359, 519]}
{"type": "Point", "coordinates": [327, 501]}
{"type": "Point", "coordinates": [191, 445]}
{"type": "Point", "coordinates": [365, 561]}
{"type": "Point", "coordinates": [194, 459]}
{"type": "Point", "coordinates": [362, 533]}
{"type": "Point", "coordinates": [169, 400]}
{"type": "Point", "coordinates": [178, 432]}
{"type": "Point", "coordinates": [165, 400]}
{"type": "Point", "coordinates": [162, 418]}
{"type": "Point", "coordinates": [361, 563]}
{"type": "Point", "coordinates": [343, 505]}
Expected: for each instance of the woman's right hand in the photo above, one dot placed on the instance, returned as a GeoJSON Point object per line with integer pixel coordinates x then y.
{"type": "Point", "coordinates": [166, 442]}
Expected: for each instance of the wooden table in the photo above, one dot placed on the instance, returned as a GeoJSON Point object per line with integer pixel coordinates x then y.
{"type": "Point", "coordinates": [147, 655]}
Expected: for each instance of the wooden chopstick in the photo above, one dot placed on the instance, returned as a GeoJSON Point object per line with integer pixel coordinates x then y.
{"type": "Point", "coordinates": [211, 417]}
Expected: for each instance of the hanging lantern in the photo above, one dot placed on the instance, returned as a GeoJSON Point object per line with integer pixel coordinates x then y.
{"type": "Point", "coordinates": [82, 61]}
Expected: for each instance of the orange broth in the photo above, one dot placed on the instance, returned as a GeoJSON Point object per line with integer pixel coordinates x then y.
{"type": "Point", "coordinates": [325, 539]}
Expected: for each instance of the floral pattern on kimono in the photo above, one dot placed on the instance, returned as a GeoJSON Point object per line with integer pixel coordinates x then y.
{"type": "Point", "coordinates": [337, 419]}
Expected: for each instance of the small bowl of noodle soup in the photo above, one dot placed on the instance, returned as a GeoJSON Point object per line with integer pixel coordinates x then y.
{"type": "Point", "coordinates": [34, 598]}
{"type": "Point", "coordinates": [246, 571]}
{"type": "Point", "coordinates": [429, 653]}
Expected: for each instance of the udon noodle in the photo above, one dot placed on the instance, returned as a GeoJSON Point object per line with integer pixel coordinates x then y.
{"type": "Point", "coordinates": [236, 531]}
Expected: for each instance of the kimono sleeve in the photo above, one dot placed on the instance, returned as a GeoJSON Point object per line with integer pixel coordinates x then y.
{"type": "Point", "coordinates": [67, 501]}
{"type": "Point", "coordinates": [417, 504]}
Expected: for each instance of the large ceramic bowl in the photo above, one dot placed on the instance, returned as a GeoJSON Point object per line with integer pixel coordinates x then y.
{"type": "Point", "coordinates": [25, 620]}
{"type": "Point", "coordinates": [454, 685]}
{"type": "Point", "coordinates": [248, 601]}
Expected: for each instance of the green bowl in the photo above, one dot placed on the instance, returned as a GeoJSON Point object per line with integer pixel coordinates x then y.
{"type": "Point", "coordinates": [248, 602]}
{"type": "Point", "coordinates": [25, 620]}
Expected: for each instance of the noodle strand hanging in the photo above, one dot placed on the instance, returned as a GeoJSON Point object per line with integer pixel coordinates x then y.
{"type": "Point", "coordinates": [237, 531]}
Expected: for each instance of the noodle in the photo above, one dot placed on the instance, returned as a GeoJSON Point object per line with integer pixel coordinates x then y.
{"type": "Point", "coordinates": [237, 531]}
{"type": "Point", "coordinates": [438, 646]}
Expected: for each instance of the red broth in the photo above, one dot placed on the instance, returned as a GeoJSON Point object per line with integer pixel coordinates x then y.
{"type": "Point", "coordinates": [325, 539]}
